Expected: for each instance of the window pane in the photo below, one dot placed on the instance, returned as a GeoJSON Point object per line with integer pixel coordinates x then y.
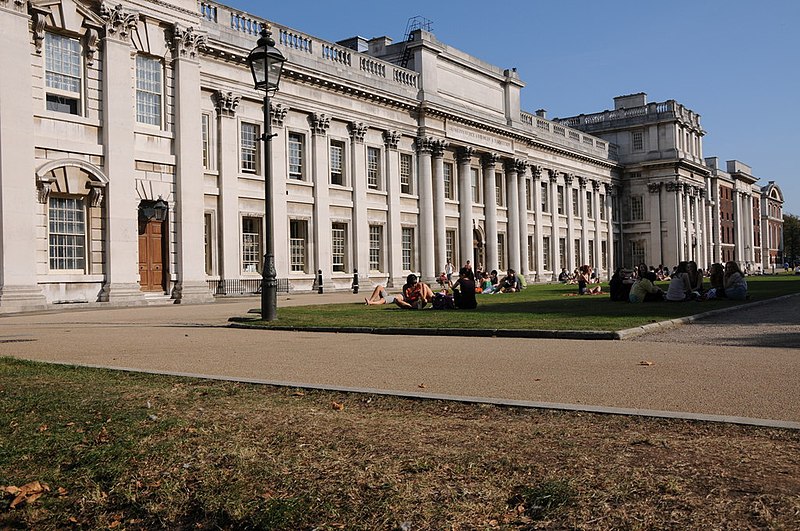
{"type": "Point", "coordinates": [149, 88]}
{"type": "Point", "coordinates": [298, 238]}
{"type": "Point", "coordinates": [62, 63]}
{"type": "Point", "coordinates": [408, 249]}
{"type": "Point", "coordinates": [375, 247]}
{"type": "Point", "coordinates": [67, 233]}
{"type": "Point", "coordinates": [251, 245]}
{"type": "Point", "coordinates": [339, 246]}
{"type": "Point", "coordinates": [249, 148]}
{"type": "Point", "coordinates": [405, 174]}
{"type": "Point", "coordinates": [373, 168]}
{"type": "Point", "coordinates": [295, 156]}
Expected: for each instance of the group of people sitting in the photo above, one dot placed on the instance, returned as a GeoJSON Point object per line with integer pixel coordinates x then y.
{"type": "Point", "coordinates": [686, 283]}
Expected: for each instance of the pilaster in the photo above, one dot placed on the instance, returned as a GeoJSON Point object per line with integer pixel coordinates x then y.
{"type": "Point", "coordinates": [226, 104]}
{"type": "Point", "coordinates": [536, 192]}
{"type": "Point", "coordinates": [554, 227]}
{"type": "Point", "coordinates": [524, 265]}
{"type": "Point", "coordinates": [598, 264]}
{"type": "Point", "coordinates": [610, 193]}
{"type": "Point", "coordinates": [654, 254]}
{"type": "Point", "coordinates": [393, 228]}
{"type": "Point", "coordinates": [569, 178]}
{"type": "Point", "coordinates": [583, 182]}
{"type": "Point", "coordinates": [488, 166]}
{"type": "Point", "coordinates": [465, 203]}
{"type": "Point", "coordinates": [189, 209]}
{"type": "Point", "coordinates": [18, 288]}
{"type": "Point", "coordinates": [512, 200]}
{"type": "Point", "coordinates": [358, 164]}
{"type": "Point", "coordinates": [320, 170]}
{"type": "Point", "coordinates": [439, 223]}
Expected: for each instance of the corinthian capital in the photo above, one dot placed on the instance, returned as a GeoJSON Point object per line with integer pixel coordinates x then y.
{"type": "Point", "coordinates": [226, 103]}
{"type": "Point", "coordinates": [187, 42]}
{"type": "Point", "coordinates": [489, 160]}
{"type": "Point", "coordinates": [438, 146]}
{"type": "Point", "coordinates": [358, 130]}
{"type": "Point", "coordinates": [391, 139]}
{"type": "Point", "coordinates": [553, 174]}
{"type": "Point", "coordinates": [119, 21]}
{"type": "Point", "coordinates": [464, 155]}
{"type": "Point", "coordinates": [320, 122]}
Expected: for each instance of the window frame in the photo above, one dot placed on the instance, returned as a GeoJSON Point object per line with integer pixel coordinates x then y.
{"type": "Point", "coordinates": [337, 145]}
{"type": "Point", "coordinates": [298, 232]}
{"type": "Point", "coordinates": [449, 183]}
{"type": "Point", "coordinates": [247, 254]}
{"type": "Point", "coordinates": [374, 168]}
{"type": "Point", "coordinates": [475, 184]}
{"type": "Point", "coordinates": [500, 189]}
{"type": "Point", "coordinates": [253, 151]}
{"type": "Point", "coordinates": [300, 174]}
{"type": "Point", "coordinates": [141, 118]}
{"type": "Point", "coordinates": [546, 253]}
{"type": "Point", "coordinates": [637, 208]}
{"type": "Point", "coordinates": [53, 262]}
{"type": "Point", "coordinates": [376, 248]}
{"type": "Point", "coordinates": [61, 93]}
{"type": "Point", "coordinates": [337, 229]}
{"type": "Point", "coordinates": [407, 247]}
{"type": "Point", "coordinates": [407, 174]}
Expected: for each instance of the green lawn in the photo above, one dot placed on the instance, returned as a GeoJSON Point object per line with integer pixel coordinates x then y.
{"type": "Point", "coordinates": [539, 307]}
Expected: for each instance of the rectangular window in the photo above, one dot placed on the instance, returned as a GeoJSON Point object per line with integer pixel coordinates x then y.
{"type": "Point", "coordinates": [408, 249]}
{"type": "Point", "coordinates": [560, 200]}
{"type": "Point", "coordinates": [337, 163]}
{"type": "Point", "coordinates": [562, 253]}
{"type": "Point", "coordinates": [149, 89]}
{"type": "Point", "coordinates": [298, 245]}
{"type": "Point", "coordinates": [339, 247]}
{"type": "Point", "coordinates": [208, 242]}
{"type": "Point", "coordinates": [373, 168]}
{"type": "Point", "coordinates": [296, 153]}
{"type": "Point", "coordinates": [449, 246]}
{"type": "Point", "coordinates": [577, 250]}
{"type": "Point", "coordinates": [449, 189]}
{"type": "Point", "coordinates": [249, 147]}
{"type": "Point", "coordinates": [67, 234]}
{"type": "Point", "coordinates": [545, 201]}
{"type": "Point", "coordinates": [501, 251]}
{"type": "Point", "coordinates": [528, 198]}
{"type": "Point", "coordinates": [546, 253]}
{"type": "Point", "coordinates": [604, 255]}
{"type": "Point", "coordinates": [637, 141]}
{"type": "Point", "coordinates": [576, 207]}
{"type": "Point", "coordinates": [500, 189]}
{"type": "Point", "coordinates": [251, 244]}
{"type": "Point", "coordinates": [637, 252]}
{"type": "Point", "coordinates": [590, 258]}
{"type": "Point", "coordinates": [375, 247]}
{"type": "Point", "coordinates": [589, 206]}
{"type": "Point", "coordinates": [205, 125]}
{"type": "Point", "coordinates": [62, 71]}
{"type": "Point", "coordinates": [476, 185]}
{"type": "Point", "coordinates": [531, 267]}
{"type": "Point", "coordinates": [602, 207]}
{"type": "Point", "coordinates": [637, 208]}
{"type": "Point", "coordinates": [406, 175]}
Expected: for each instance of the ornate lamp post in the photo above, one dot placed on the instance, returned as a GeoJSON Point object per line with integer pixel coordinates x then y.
{"type": "Point", "coordinates": [266, 64]}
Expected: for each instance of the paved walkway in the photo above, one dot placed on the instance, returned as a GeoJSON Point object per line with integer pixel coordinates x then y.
{"type": "Point", "coordinates": [743, 367]}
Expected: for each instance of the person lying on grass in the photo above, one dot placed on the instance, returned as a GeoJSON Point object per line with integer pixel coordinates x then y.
{"type": "Point", "coordinates": [415, 295]}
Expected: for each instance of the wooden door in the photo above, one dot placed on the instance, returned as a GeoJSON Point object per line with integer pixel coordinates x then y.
{"type": "Point", "coordinates": [151, 256]}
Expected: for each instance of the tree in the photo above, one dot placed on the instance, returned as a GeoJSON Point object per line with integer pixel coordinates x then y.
{"type": "Point", "coordinates": [791, 238]}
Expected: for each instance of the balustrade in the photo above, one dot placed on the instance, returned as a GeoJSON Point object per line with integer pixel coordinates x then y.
{"type": "Point", "coordinates": [372, 66]}
{"type": "Point", "coordinates": [337, 55]}
{"type": "Point", "coordinates": [295, 40]}
{"type": "Point", "coordinates": [208, 11]}
{"type": "Point", "coordinates": [245, 24]}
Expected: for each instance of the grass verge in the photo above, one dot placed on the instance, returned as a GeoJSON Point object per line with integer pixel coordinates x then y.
{"type": "Point", "coordinates": [539, 307]}
{"type": "Point", "coordinates": [133, 451]}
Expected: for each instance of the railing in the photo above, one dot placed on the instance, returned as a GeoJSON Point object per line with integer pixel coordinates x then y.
{"type": "Point", "coordinates": [215, 13]}
{"type": "Point", "coordinates": [242, 286]}
{"type": "Point", "coordinates": [669, 106]}
{"type": "Point", "coordinates": [559, 132]}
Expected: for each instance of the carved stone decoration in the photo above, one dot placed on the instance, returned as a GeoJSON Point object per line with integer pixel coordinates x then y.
{"type": "Point", "coordinates": [16, 5]}
{"type": "Point", "coordinates": [672, 186]}
{"type": "Point", "coordinates": [464, 155]}
{"type": "Point", "coordinates": [38, 21]}
{"type": "Point", "coordinates": [391, 139]}
{"type": "Point", "coordinates": [595, 185]}
{"type": "Point", "coordinates": [654, 188]}
{"type": "Point", "coordinates": [519, 165]}
{"type": "Point", "coordinates": [320, 122]}
{"type": "Point", "coordinates": [553, 174]}
{"type": "Point", "coordinates": [437, 147]}
{"type": "Point", "coordinates": [119, 20]}
{"type": "Point", "coordinates": [358, 130]}
{"type": "Point", "coordinates": [423, 144]}
{"type": "Point", "coordinates": [568, 178]}
{"type": "Point", "coordinates": [96, 192]}
{"type": "Point", "coordinates": [489, 160]}
{"type": "Point", "coordinates": [537, 171]}
{"type": "Point", "coordinates": [277, 113]}
{"type": "Point", "coordinates": [226, 103]}
{"type": "Point", "coordinates": [187, 41]}
{"type": "Point", "coordinates": [702, 192]}
{"type": "Point", "coordinates": [90, 44]}
{"type": "Point", "coordinates": [611, 189]}
{"type": "Point", "coordinates": [43, 187]}
{"type": "Point", "coordinates": [582, 181]}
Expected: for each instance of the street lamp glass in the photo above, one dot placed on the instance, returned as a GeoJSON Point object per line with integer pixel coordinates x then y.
{"type": "Point", "coordinates": [266, 63]}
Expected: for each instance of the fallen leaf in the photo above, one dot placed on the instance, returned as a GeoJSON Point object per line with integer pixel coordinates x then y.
{"type": "Point", "coordinates": [114, 524]}
{"type": "Point", "coordinates": [645, 363]}
{"type": "Point", "coordinates": [62, 491]}
{"type": "Point", "coordinates": [298, 393]}
{"type": "Point", "coordinates": [337, 406]}
{"type": "Point", "coordinates": [43, 427]}
{"type": "Point", "coordinates": [73, 519]}
{"type": "Point", "coordinates": [421, 386]}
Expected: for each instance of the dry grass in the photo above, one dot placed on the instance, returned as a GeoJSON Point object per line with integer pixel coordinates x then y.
{"type": "Point", "coordinates": [216, 455]}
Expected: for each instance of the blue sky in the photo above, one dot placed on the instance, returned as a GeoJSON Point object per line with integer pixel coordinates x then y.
{"type": "Point", "coordinates": [735, 62]}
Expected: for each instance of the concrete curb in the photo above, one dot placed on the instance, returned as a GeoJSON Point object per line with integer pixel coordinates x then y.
{"type": "Point", "coordinates": [607, 410]}
{"type": "Point", "coordinates": [674, 323]}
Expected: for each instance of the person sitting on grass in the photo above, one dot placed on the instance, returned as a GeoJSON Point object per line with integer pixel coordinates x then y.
{"type": "Point", "coordinates": [510, 282]}
{"type": "Point", "coordinates": [734, 282]}
{"type": "Point", "coordinates": [680, 287]}
{"type": "Point", "coordinates": [487, 287]}
{"type": "Point", "coordinates": [563, 277]}
{"type": "Point", "coordinates": [695, 278]}
{"type": "Point", "coordinates": [716, 277]}
{"type": "Point", "coordinates": [584, 279]}
{"type": "Point", "coordinates": [464, 291]}
{"type": "Point", "coordinates": [645, 290]}
{"type": "Point", "coordinates": [416, 294]}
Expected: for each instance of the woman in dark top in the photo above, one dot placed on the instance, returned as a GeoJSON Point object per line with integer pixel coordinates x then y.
{"type": "Point", "coordinates": [464, 291]}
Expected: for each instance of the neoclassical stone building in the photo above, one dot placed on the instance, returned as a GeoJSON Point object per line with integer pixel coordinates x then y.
{"type": "Point", "coordinates": [131, 167]}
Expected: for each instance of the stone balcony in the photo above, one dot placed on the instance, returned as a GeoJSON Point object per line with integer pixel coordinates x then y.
{"type": "Point", "coordinates": [669, 110]}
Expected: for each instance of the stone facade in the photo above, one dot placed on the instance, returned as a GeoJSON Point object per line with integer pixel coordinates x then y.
{"type": "Point", "coordinates": [134, 170]}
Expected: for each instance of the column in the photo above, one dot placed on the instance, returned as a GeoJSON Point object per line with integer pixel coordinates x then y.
{"type": "Point", "coordinates": [465, 204]}
{"type": "Point", "coordinates": [426, 231]}
{"type": "Point", "coordinates": [439, 224]}
{"type": "Point", "coordinates": [524, 266]}
{"type": "Point", "coordinates": [358, 172]}
{"type": "Point", "coordinates": [583, 181]}
{"type": "Point", "coordinates": [703, 261]}
{"type": "Point", "coordinates": [228, 166]}
{"type": "Point", "coordinates": [191, 276]}
{"type": "Point", "coordinates": [122, 236]}
{"type": "Point", "coordinates": [610, 193]}
{"type": "Point", "coordinates": [751, 229]}
{"type": "Point", "coordinates": [568, 180]}
{"type": "Point", "coordinates": [715, 221]}
{"type": "Point", "coordinates": [737, 226]}
{"type": "Point", "coordinates": [598, 264]}
{"type": "Point", "coordinates": [681, 232]}
{"type": "Point", "coordinates": [18, 284]}
{"type": "Point", "coordinates": [512, 200]}
{"type": "Point", "coordinates": [393, 228]}
{"type": "Point", "coordinates": [553, 174]}
{"type": "Point", "coordinates": [536, 192]}
{"type": "Point", "coordinates": [690, 236]}
{"type": "Point", "coordinates": [320, 168]}
{"type": "Point", "coordinates": [488, 162]}
{"type": "Point", "coordinates": [654, 253]}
